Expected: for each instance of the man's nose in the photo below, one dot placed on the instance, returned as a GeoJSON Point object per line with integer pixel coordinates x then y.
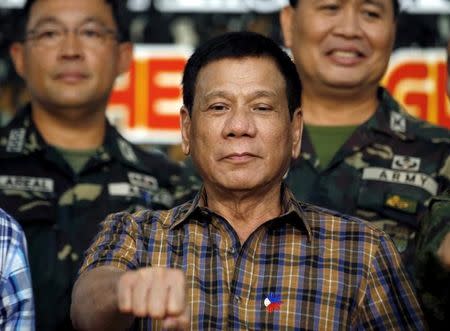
{"type": "Point", "coordinates": [240, 122]}
{"type": "Point", "coordinates": [71, 46]}
{"type": "Point", "coordinates": [349, 23]}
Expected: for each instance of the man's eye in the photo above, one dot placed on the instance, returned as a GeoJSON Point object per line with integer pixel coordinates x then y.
{"type": "Point", "coordinates": [218, 107]}
{"type": "Point", "coordinates": [48, 34]}
{"type": "Point", "coordinates": [91, 33]}
{"type": "Point", "coordinates": [330, 7]}
{"type": "Point", "coordinates": [263, 108]}
{"type": "Point", "coordinates": [371, 14]}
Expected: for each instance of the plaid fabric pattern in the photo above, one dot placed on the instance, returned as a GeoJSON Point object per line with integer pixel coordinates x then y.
{"type": "Point", "coordinates": [16, 295]}
{"type": "Point", "coordinates": [327, 271]}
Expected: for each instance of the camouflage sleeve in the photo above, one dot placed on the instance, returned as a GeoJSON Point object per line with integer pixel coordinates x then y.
{"type": "Point", "coordinates": [115, 245]}
{"type": "Point", "coordinates": [432, 280]}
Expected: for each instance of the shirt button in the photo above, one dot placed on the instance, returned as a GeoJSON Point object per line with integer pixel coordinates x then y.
{"type": "Point", "coordinates": [237, 299]}
{"type": "Point", "coordinates": [232, 251]}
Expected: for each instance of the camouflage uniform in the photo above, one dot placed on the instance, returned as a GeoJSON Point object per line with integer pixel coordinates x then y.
{"type": "Point", "coordinates": [386, 172]}
{"type": "Point", "coordinates": [60, 210]}
{"type": "Point", "coordinates": [433, 281]}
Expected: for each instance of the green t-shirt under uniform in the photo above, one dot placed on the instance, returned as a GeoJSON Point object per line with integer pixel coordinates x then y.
{"type": "Point", "coordinates": [76, 158]}
{"type": "Point", "coordinates": [328, 139]}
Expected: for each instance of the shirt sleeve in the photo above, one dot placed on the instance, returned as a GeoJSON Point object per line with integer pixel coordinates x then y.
{"type": "Point", "coordinates": [117, 244]}
{"type": "Point", "coordinates": [16, 294]}
{"type": "Point", "coordinates": [389, 301]}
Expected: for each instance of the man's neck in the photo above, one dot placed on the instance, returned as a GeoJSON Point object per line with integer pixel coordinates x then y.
{"type": "Point", "coordinates": [246, 211]}
{"type": "Point", "coordinates": [70, 128]}
{"type": "Point", "coordinates": [338, 109]}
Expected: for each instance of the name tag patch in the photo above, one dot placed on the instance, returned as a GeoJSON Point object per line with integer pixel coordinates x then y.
{"type": "Point", "coordinates": [26, 183]}
{"type": "Point", "coordinates": [416, 179]}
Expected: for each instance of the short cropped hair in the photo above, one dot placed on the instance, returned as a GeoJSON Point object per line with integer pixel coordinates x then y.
{"type": "Point", "coordinates": [395, 3]}
{"type": "Point", "coordinates": [117, 7]}
{"type": "Point", "coordinates": [238, 45]}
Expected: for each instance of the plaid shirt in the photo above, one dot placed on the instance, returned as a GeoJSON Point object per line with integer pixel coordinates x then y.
{"type": "Point", "coordinates": [309, 269]}
{"type": "Point", "coordinates": [16, 295]}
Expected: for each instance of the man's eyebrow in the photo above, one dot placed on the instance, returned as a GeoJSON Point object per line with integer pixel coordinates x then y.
{"type": "Point", "coordinates": [54, 20]}
{"type": "Point", "coordinates": [93, 19]}
{"type": "Point", "coordinates": [376, 3]}
{"type": "Point", "coordinates": [254, 95]}
{"type": "Point", "coordinates": [264, 93]}
{"type": "Point", "coordinates": [216, 93]}
{"type": "Point", "coordinates": [46, 20]}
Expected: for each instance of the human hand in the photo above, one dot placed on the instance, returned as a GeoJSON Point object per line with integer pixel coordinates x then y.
{"type": "Point", "coordinates": [443, 252]}
{"type": "Point", "coordinates": [157, 293]}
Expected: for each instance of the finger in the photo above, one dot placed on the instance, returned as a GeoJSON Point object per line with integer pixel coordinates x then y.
{"type": "Point", "coordinates": [140, 294]}
{"type": "Point", "coordinates": [157, 296]}
{"type": "Point", "coordinates": [176, 301]}
{"type": "Point", "coordinates": [181, 322]}
{"type": "Point", "coordinates": [124, 292]}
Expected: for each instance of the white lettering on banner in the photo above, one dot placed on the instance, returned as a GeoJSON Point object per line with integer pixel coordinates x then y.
{"type": "Point", "coordinates": [416, 179]}
{"type": "Point", "coordinates": [26, 183]}
{"type": "Point", "coordinates": [144, 181]}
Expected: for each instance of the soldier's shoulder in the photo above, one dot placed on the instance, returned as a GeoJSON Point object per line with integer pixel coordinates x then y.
{"type": "Point", "coordinates": [428, 132]}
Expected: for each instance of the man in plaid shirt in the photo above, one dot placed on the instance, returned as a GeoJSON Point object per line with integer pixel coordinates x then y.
{"type": "Point", "coordinates": [244, 254]}
{"type": "Point", "coordinates": [16, 295]}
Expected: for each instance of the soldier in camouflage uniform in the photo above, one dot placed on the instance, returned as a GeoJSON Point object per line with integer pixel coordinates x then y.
{"type": "Point", "coordinates": [432, 265]}
{"type": "Point", "coordinates": [386, 165]}
{"type": "Point", "coordinates": [63, 168]}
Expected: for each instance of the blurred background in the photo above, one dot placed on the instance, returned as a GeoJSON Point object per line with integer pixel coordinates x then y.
{"type": "Point", "coordinates": [146, 100]}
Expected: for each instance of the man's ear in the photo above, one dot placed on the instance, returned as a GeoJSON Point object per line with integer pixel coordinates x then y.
{"type": "Point", "coordinates": [16, 51]}
{"type": "Point", "coordinates": [185, 123]}
{"type": "Point", "coordinates": [125, 57]}
{"type": "Point", "coordinates": [286, 21]}
{"type": "Point", "coordinates": [297, 130]}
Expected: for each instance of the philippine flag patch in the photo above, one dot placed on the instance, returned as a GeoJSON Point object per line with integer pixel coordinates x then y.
{"type": "Point", "coordinates": [273, 302]}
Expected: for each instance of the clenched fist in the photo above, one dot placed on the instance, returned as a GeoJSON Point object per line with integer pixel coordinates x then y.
{"type": "Point", "coordinates": [157, 293]}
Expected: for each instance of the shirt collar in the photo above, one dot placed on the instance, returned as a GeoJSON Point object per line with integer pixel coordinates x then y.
{"type": "Point", "coordinates": [292, 210]}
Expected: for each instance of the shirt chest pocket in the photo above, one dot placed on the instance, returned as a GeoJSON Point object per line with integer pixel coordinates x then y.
{"type": "Point", "coordinates": [392, 194]}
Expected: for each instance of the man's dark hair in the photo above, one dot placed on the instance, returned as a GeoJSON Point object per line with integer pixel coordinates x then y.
{"type": "Point", "coordinates": [395, 3]}
{"type": "Point", "coordinates": [238, 45]}
{"type": "Point", "coordinates": [118, 11]}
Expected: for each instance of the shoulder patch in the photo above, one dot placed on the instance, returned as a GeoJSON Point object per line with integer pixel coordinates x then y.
{"type": "Point", "coordinates": [16, 140]}
{"type": "Point", "coordinates": [127, 151]}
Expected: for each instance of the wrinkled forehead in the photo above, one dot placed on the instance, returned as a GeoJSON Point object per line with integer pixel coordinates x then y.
{"type": "Point", "coordinates": [70, 12]}
{"type": "Point", "coordinates": [250, 75]}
